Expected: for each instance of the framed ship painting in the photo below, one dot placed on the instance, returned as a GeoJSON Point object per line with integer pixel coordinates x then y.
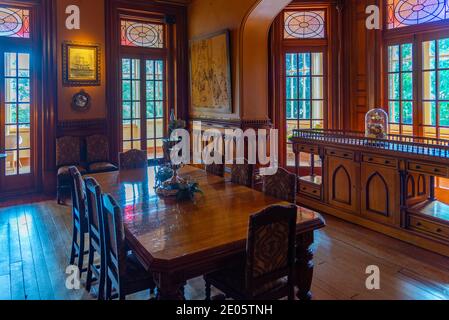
{"type": "Point", "coordinates": [210, 75]}
{"type": "Point", "coordinates": [81, 64]}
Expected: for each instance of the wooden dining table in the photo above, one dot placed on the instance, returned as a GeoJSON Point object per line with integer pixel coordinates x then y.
{"type": "Point", "coordinates": [177, 241]}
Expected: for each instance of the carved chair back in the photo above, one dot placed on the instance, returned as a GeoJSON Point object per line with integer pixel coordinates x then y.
{"type": "Point", "coordinates": [270, 253]}
{"type": "Point", "coordinates": [281, 185]}
{"type": "Point", "coordinates": [133, 159]}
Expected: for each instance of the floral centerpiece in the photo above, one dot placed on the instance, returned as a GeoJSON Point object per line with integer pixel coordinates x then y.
{"type": "Point", "coordinates": [169, 184]}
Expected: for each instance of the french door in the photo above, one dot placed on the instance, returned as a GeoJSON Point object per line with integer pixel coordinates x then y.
{"type": "Point", "coordinates": [305, 97]}
{"type": "Point", "coordinates": [16, 125]}
{"type": "Point", "coordinates": [143, 104]}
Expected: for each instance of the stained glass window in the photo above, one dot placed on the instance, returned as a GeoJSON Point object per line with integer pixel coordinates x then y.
{"type": "Point", "coordinates": [14, 23]}
{"type": "Point", "coordinates": [142, 34]}
{"type": "Point", "coordinates": [403, 13]}
{"type": "Point", "coordinates": [304, 24]}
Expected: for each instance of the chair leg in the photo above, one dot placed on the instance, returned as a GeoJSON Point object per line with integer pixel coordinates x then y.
{"type": "Point", "coordinates": [101, 295]}
{"type": "Point", "coordinates": [208, 291]}
{"type": "Point", "coordinates": [108, 289]}
{"type": "Point", "coordinates": [81, 253]}
{"type": "Point", "coordinates": [89, 268]}
{"type": "Point", "coordinates": [291, 293]}
{"type": "Point", "coordinates": [74, 239]}
{"type": "Point", "coordinates": [58, 192]}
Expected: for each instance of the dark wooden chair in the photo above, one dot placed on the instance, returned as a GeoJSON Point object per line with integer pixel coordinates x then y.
{"type": "Point", "coordinates": [124, 273]}
{"type": "Point", "coordinates": [133, 159]}
{"type": "Point", "coordinates": [79, 217]}
{"type": "Point", "coordinates": [267, 271]}
{"type": "Point", "coordinates": [216, 169]}
{"type": "Point", "coordinates": [96, 237]}
{"type": "Point", "coordinates": [243, 174]}
{"type": "Point", "coordinates": [281, 185]}
{"type": "Point", "coordinates": [97, 154]}
{"type": "Point", "coordinates": [68, 153]}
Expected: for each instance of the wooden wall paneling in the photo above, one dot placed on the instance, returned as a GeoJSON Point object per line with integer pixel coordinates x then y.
{"type": "Point", "coordinates": [374, 45]}
{"type": "Point", "coordinates": [81, 128]}
{"type": "Point", "coordinates": [276, 92]}
{"type": "Point", "coordinates": [359, 92]}
{"type": "Point", "coordinates": [339, 110]}
{"type": "Point", "coordinates": [362, 64]}
{"type": "Point", "coordinates": [49, 115]}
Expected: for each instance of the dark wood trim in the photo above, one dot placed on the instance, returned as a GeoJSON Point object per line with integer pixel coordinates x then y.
{"type": "Point", "coordinates": [242, 124]}
{"type": "Point", "coordinates": [257, 124]}
{"type": "Point", "coordinates": [49, 97]}
{"type": "Point", "coordinates": [81, 128]}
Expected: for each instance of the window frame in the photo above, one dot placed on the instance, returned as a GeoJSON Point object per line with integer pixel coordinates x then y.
{"type": "Point", "coordinates": [143, 54]}
{"type": "Point", "coordinates": [400, 42]}
{"type": "Point", "coordinates": [311, 49]}
{"type": "Point", "coordinates": [22, 183]}
{"type": "Point", "coordinates": [285, 46]}
{"type": "Point", "coordinates": [416, 35]}
{"type": "Point", "coordinates": [175, 17]}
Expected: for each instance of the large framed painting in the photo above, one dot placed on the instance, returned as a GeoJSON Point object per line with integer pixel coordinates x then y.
{"type": "Point", "coordinates": [81, 64]}
{"type": "Point", "coordinates": [210, 73]}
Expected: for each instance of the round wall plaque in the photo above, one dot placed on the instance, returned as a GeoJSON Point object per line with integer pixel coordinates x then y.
{"type": "Point", "coordinates": [81, 101]}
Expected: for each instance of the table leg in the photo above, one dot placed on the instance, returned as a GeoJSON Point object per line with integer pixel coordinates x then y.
{"type": "Point", "coordinates": [297, 156]}
{"type": "Point", "coordinates": [169, 288]}
{"type": "Point", "coordinates": [304, 265]}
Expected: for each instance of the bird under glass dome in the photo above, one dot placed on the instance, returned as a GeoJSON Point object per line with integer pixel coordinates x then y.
{"type": "Point", "coordinates": [376, 123]}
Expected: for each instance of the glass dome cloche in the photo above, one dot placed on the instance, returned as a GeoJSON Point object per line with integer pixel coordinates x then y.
{"type": "Point", "coordinates": [376, 124]}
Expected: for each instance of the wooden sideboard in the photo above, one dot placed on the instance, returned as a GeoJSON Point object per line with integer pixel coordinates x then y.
{"type": "Point", "coordinates": [384, 185]}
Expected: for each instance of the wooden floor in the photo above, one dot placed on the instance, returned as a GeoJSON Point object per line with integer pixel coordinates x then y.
{"type": "Point", "coordinates": [35, 239]}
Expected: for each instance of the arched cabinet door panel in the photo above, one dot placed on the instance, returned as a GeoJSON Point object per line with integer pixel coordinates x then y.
{"type": "Point", "coordinates": [379, 194]}
{"type": "Point", "coordinates": [343, 179]}
{"type": "Point", "coordinates": [419, 184]}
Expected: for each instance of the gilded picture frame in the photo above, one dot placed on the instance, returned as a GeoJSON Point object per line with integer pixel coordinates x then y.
{"type": "Point", "coordinates": [81, 64]}
{"type": "Point", "coordinates": [210, 74]}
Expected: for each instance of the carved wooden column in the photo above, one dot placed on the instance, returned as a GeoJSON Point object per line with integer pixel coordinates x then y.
{"type": "Point", "coordinates": [169, 287]}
